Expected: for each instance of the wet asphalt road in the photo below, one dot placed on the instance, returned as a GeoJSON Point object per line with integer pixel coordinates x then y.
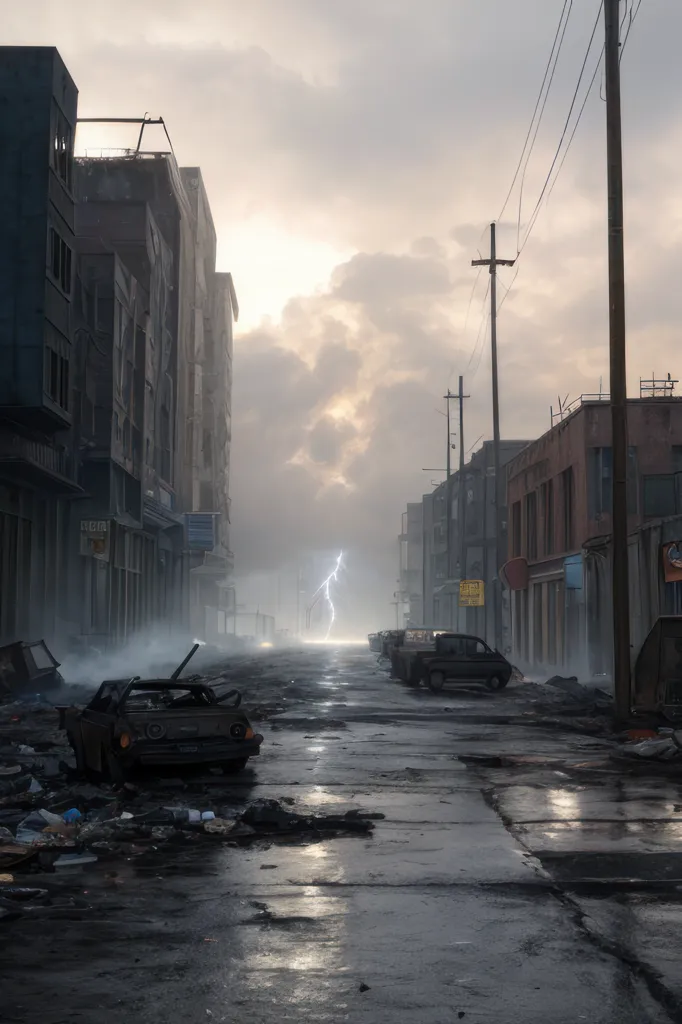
{"type": "Point", "coordinates": [543, 892]}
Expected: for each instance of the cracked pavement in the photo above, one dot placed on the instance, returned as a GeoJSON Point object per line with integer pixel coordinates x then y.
{"type": "Point", "coordinates": [545, 891]}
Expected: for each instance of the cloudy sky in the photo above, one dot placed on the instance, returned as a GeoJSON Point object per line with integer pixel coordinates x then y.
{"type": "Point", "coordinates": [354, 152]}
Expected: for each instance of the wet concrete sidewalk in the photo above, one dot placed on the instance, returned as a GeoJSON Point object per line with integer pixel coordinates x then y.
{"type": "Point", "coordinates": [537, 893]}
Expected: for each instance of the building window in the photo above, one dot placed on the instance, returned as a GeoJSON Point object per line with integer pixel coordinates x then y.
{"type": "Point", "coordinates": [62, 146]}
{"type": "Point", "coordinates": [532, 526]}
{"type": "Point", "coordinates": [56, 377]}
{"type": "Point", "coordinates": [60, 262]}
{"type": "Point", "coordinates": [547, 498]}
{"type": "Point", "coordinates": [600, 486]}
{"type": "Point", "coordinates": [568, 510]}
{"type": "Point", "coordinates": [659, 495]}
{"type": "Point", "coordinates": [516, 529]}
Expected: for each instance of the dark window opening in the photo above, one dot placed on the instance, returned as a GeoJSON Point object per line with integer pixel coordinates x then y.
{"type": "Point", "coordinates": [516, 529]}
{"type": "Point", "coordinates": [64, 382]}
{"type": "Point", "coordinates": [659, 495]}
{"type": "Point", "coordinates": [547, 494]}
{"type": "Point", "coordinates": [60, 262]}
{"type": "Point", "coordinates": [600, 493]}
{"type": "Point", "coordinates": [568, 500]}
{"type": "Point", "coordinates": [532, 525]}
{"type": "Point", "coordinates": [57, 382]}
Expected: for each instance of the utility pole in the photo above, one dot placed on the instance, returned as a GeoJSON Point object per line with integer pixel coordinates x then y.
{"type": "Point", "coordinates": [500, 498]}
{"type": "Point", "coordinates": [618, 384]}
{"type": "Point", "coordinates": [448, 501]}
{"type": "Point", "coordinates": [461, 493]}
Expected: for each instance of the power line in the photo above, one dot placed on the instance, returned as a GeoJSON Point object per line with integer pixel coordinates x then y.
{"type": "Point", "coordinates": [537, 126]}
{"type": "Point", "coordinates": [634, 11]}
{"type": "Point", "coordinates": [538, 205]}
{"type": "Point", "coordinates": [538, 101]}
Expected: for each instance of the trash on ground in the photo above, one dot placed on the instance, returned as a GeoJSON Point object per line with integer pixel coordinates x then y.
{"type": "Point", "coordinates": [269, 816]}
{"type": "Point", "coordinates": [665, 749]}
{"type": "Point", "coordinates": [74, 860]}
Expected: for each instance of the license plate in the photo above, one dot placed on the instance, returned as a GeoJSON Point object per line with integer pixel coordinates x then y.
{"type": "Point", "coordinates": [186, 748]}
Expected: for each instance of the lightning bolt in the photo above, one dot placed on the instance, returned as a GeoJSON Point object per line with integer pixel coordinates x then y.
{"type": "Point", "coordinates": [324, 587]}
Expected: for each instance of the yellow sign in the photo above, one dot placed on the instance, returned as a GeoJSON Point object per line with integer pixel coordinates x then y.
{"type": "Point", "coordinates": [471, 594]}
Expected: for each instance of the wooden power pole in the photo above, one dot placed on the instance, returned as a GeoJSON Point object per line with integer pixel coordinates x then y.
{"type": "Point", "coordinates": [448, 503]}
{"type": "Point", "coordinates": [618, 384]}
{"type": "Point", "coordinates": [500, 498]}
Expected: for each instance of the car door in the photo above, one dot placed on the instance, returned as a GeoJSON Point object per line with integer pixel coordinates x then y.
{"type": "Point", "coordinates": [478, 659]}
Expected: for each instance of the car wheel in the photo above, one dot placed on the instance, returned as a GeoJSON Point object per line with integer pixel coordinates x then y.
{"type": "Point", "coordinates": [395, 668]}
{"type": "Point", "coordinates": [436, 681]}
{"type": "Point", "coordinates": [234, 767]}
{"type": "Point", "coordinates": [496, 683]}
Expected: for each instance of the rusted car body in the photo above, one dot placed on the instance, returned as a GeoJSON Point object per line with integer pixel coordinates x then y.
{"type": "Point", "coordinates": [421, 638]}
{"type": "Point", "coordinates": [657, 681]}
{"type": "Point", "coordinates": [374, 640]}
{"type": "Point", "coordinates": [390, 638]}
{"type": "Point", "coordinates": [28, 666]}
{"type": "Point", "coordinates": [159, 722]}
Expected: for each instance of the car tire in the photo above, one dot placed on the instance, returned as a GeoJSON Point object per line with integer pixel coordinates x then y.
{"type": "Point", "coordinates": [436, 681]}
{"type": "Point", "coordinates": [234, 767]}
{"type": "Point", "coordinates": [395, 669]}
{"type": "Point", "coordinates": [496, 683]}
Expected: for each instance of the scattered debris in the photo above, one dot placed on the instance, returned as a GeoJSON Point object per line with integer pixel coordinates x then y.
{"type": "Point", "coordinates": [28, 666]}
{"type": "Point", "coordinates": [667, 748]}
{"type": "Point", "coordinates": [268, 816]}
{"type": "Point", "coordinates": [363, 988]}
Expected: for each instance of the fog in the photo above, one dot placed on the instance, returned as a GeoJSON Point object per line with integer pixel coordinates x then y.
{"type": "Point", "coordinates": [354, 155]}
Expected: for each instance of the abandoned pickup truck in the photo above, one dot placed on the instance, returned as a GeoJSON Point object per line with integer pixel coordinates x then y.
{"type": "Point", "coordinates": [132, 723]}
{"type": "Point", "coordinates": [464, 659]}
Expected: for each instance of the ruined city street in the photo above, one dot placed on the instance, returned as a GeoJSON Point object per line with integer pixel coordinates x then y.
{"type": "Point", "coordinates": [516, 873]}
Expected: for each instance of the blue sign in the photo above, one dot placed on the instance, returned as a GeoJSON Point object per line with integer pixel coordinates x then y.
{"type": "Point", "coordinates": [573, 572]}
{"type": "Point", "coordinates": [200, 531]}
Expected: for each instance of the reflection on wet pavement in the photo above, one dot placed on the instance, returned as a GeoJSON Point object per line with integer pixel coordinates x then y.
{"type": "Point", "coordinates": [472, 899]}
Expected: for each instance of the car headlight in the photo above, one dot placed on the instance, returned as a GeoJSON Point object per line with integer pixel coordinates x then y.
{"type": "Point", "coordinates": [238, 731]}
{"type": "Point", "coordinates": [155, 730]}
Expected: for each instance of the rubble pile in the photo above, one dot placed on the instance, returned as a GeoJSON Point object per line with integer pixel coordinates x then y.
{"type": "Point", "coordinates": [52, 820]}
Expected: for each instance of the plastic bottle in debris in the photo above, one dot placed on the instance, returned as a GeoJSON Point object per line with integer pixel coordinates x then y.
{"type": "Point", "coordinates": [190, 815]}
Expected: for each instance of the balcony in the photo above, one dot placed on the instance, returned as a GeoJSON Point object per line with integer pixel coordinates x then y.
{"type": "Point", "coordinates": [36, 463]}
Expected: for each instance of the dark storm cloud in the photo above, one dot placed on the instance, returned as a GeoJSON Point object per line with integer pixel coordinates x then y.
{"type": "Point", "coordinates": [392, 129]}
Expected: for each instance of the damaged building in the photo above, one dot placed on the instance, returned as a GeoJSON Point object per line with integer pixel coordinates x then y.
{"type": "Point", "coordinates": [116, 382]}
{"type": "Point", "coordinates": [560, 495]}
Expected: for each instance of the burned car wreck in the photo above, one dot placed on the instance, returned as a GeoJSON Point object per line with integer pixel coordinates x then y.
{"type": "Point", "coordinates": [142, 723]}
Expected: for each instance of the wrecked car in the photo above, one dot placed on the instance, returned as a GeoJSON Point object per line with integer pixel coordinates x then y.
{"type": "Point", "coordinates": [137, 723]}
{"type": "Point", "coordinates": [390, 638]}
{"type": "Point", "coordinates": [657, 676]}
{"type": "Point", "coordinates": [452, 657]}
{"type": "Point", "coordinates": [28, 666]}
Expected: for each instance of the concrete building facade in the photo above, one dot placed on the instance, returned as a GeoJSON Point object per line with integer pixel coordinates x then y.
{"type": "Point", "coordinates": [38, 478]}
{"type": "Point", "coordinates": [115, 381]}
{"type": "Point", "coordinates": [559, 495]}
